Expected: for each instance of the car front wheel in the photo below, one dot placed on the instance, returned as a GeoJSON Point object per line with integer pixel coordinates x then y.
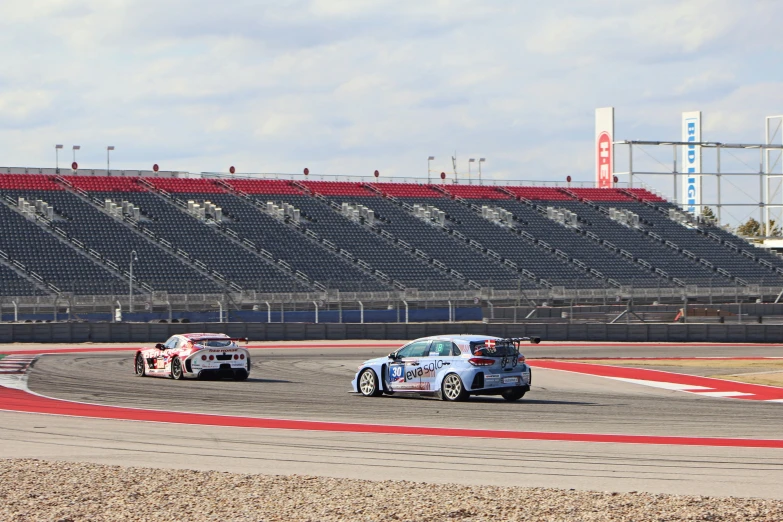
{"type": "Point", "coordinates": [368, 384]}
{"type": "Point", "coordinates": [452, 389]}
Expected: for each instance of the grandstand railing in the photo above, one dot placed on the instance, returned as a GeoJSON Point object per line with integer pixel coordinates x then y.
{"type": "Point", "coordinates": [250, 297]}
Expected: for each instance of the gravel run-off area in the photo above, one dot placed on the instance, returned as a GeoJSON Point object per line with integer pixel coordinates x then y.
{"type": "Point", "coordinates": [70, 492]}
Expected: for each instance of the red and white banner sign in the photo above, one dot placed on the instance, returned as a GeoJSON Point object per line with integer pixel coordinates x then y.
{"type": "Point", "coordinates": [604, 150]}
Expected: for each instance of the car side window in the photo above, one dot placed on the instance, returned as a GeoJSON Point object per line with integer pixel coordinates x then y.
{"type": "Point", "coordinates": [455, 351]}
{"type": "Point", "coordinates": [440, 349]}
{"type": "Point", "coordinates": [171, 343]}
{"type": "Point", "coordinates": [415, 349]}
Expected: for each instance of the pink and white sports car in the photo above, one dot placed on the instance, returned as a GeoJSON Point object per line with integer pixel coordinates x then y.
{"type": "Point", "coordinates": [195, 355]}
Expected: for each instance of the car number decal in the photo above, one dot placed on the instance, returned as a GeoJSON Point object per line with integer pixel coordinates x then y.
{"type": "Point", "coordinates": [396, 373]}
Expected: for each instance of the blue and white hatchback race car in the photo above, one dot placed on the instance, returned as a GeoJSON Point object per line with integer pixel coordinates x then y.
{"type": "Point", "coordinates": [451, 366]}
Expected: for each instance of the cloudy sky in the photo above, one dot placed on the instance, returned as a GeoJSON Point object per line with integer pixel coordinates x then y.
{"type": "Point", "coordinates": [350, 86]}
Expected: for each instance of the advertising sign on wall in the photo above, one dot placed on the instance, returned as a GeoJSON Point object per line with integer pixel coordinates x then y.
{"type": "Point", "coordinates": [604, 150]}
{"type": "Point", "coordinates": [691, 161]}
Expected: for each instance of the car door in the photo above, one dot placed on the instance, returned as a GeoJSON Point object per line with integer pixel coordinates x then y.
{"type": "Point", "coordinates": [405, 370]}
{"type": "Point", "coordinates": [163, 354]}
{"type": "Point", "coordinates": [439, 360]}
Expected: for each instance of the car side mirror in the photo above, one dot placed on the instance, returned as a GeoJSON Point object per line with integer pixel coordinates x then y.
{"type": "Point", "coordinates": [535, 340]}
{"type": "Point", "coordinates": [393, 355]}
{"type": "Point", "coordinates": [159, 346]}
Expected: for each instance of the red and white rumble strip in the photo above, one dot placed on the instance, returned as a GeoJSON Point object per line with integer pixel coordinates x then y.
{"type": "Point", "coordinates": [13, 370]}
{"type": "Point", "coordinates": [704, 386]}
{"type": "Point", "coordinates": [15, 364]}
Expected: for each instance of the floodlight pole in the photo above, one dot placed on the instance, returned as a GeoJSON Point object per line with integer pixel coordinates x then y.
{"type": "Point", "coordinates": [470, 179]}
{"type": "Point", "coordinates": [57, 158]}
{"type": "Point", "coordinates": [480, 161]}
{"type": "Point", "coordinates": [108, 166]}
{"type": "Point", "coordinates": [429, 158]}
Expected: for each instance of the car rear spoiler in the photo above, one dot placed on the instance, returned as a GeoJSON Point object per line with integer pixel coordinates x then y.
{"type": "Point", "coordinates": [238, 339]}
{"type": "Point", "coordinates": [518, 340]}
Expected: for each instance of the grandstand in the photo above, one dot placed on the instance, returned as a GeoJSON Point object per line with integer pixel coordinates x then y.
{"type": "Point", "coordinates": [76, 234]}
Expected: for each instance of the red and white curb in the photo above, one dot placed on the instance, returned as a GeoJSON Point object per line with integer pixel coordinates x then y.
{"type": "Point", "coordinates": [704, 386]}
{"type": "Point", "coordinates": [13, 370]}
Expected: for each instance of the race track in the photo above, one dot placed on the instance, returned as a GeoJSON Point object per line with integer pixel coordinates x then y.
{"type": "Point", "coordinates": [313, 384]}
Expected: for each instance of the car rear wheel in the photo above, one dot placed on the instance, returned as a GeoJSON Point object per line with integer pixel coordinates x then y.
{"type": "Point", "coordinates": [513, 394]}
{"type": "Point", "coordinates": [368, 384]}
{"type": "Point", "coordinates": [240, 375]}
{"type": "Point", "coordinates": [176, 369]}
{"type": "Point", "coordinates": [452, 389]}
{"type": "Point", "coordinates": [141, 368]}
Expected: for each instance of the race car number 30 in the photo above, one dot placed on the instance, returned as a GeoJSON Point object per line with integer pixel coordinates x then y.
{"type": "Point", "coordinates": [396, 372]}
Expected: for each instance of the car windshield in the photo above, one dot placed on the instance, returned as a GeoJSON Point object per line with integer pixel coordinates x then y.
{"type": "Point", "coordinates": [493, 349]}
{"type": "Point", "coordinates": [215, 343]}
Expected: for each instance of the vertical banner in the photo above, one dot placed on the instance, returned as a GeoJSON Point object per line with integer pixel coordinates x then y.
{"type": "Point", "coordinates": [691, 162]}
{"type": "Point", "coordinates": [604, 149]}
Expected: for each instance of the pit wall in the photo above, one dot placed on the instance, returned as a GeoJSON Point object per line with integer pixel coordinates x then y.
{"type": "Point", "coordinates": [156, 332]}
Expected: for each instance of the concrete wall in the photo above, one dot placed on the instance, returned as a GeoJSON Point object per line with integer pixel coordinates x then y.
{"type": "Point", "coordinates": [154, 332]}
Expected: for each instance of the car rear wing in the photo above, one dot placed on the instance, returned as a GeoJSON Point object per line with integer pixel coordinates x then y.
{"type": "Point", "coordinates": [512, 342]}
{"type": "Point", "coordinates": [238, 339]}
{"type": "Point", "coordinates": [518, 340]}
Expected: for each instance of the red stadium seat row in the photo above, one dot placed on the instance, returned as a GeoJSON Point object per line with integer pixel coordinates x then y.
{"type": "Point", "coordinates": [476, 192]}
{"type": "Point", "coordinates": [264, 186]}
{"type": "Point", "coordinates": [646, 195]}
{"type": "Point", "coordinates": [408, 190]}
{"type": "Point", "coordinates": [28, 182]}
{"type": "Point", "coordinates": [328, 188]}
{"type": "Point", "coordinates": [187, 185]}
{"type": "Point", "coordinates": [105, 184]}
{"type": "Point", "coordinates": [539, 193]}
{"type": "Point", "coordinates": [601, 194]}
{"type": "Point", "coordinates": [338, 188]}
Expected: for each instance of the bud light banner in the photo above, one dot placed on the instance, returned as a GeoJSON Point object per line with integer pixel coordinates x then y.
{"type": "Point", "coordinates": [604, 148]}
{"type": "Point", "coordinates": [691, 162]}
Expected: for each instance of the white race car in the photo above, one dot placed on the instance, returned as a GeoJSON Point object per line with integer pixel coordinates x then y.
{"type": "Point", "coordinates": [452, 367]}
{"type": "Point", "coordinates": [195, 355]}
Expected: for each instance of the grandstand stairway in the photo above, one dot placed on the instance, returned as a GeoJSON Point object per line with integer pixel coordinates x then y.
{"type": "Point", "coordinates": [56, 255]}
{"type": "Point", "coordinates": [237, 261]}
{"type": "Point", "coordinates": [159, 263]}
{"type": "Point", "coordinates": [307, 252]}
{"type": "Point", "coordinates": [17, 279]}
{"type": "Point", "coordinates": [664, 256]}
{"type": "Point", "coordinates": [386, 254]}
{"type": "Point", "coordinates": [741, 265]}
{"type": "Point", "coordinates": [399, 222]}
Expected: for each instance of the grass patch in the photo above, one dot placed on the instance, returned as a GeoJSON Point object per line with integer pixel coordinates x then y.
{"type": "Point", "coordinates": [769, 379]}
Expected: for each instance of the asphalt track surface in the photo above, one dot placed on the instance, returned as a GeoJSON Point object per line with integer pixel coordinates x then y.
{"type": "Point", "coordinates": [313, 384]}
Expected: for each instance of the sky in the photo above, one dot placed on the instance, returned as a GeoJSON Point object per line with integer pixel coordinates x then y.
{"type": "Point", "coordinates": [345, 87]}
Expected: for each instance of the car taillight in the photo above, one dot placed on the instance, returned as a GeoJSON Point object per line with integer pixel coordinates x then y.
{"type": "Point", "coordinates": [521, 358]}
{"type": "Point", "coordinates": [480, 361]}
{"type": "Point", "coordinates": [236, 356]}
{"type": "Point", "coordinates": [203, 357]}
{"type": "Point", "coordinates": [211, 357]}
{"type": "Point", "coordinates": [241, 355]}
